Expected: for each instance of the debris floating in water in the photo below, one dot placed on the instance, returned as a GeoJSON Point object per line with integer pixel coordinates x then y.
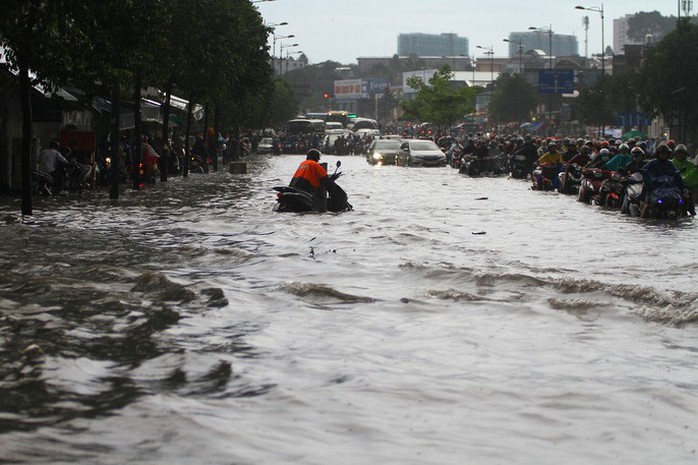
{"type": "Point", "coordinates": [482, 198]}
{"type": "Point", "coordinates": [479, 233]}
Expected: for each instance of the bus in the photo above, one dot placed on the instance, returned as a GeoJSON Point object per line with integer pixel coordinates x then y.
{"type": "Point", "coordinates": [338, 116]}
{"type": "Point", "coordinates": [306, 126]}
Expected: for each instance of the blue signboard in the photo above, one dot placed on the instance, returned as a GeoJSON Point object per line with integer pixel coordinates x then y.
{"type": "Point", "coordinates": [555, 81]}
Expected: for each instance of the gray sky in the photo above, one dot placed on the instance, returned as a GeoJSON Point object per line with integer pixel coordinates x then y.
{"type": "Point", "coordinates": [343, 30]}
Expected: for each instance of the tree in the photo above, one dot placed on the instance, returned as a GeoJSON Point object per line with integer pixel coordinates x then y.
{"type": "Point", "coordinates": [284, 104]}
{"type": "Point", "coordinates": [643, 23]}
{"type": "Point", "coordinates": [513, 99]}
{"type": "Point", "coordinates": [438, 102]}
{"type": "Point", "coordinates": [665, 80]}
{"type": "Point", "coordinates": [39, 37]}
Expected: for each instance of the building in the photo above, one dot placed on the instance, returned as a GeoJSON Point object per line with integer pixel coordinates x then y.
{"type": "Point", "coordinates": [562, 44]}
{"type": "Point", "coordinates": [620, 34]}
{"type": "Point", "coordinates": [432, 45]}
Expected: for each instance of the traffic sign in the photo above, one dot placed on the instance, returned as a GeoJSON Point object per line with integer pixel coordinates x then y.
{"type": "Point", "coordinates": [555, 81]}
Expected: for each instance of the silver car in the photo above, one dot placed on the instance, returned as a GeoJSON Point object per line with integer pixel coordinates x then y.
{"type": "Point", "coordinates": [382, 151]}
{"type": "Point", "coordinates": [420, 152]}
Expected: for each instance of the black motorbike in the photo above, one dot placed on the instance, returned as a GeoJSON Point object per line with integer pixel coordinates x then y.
{"type": "Point", "coordinates": [519, 166]}
{"type": "Point", "coordinates": [570, 180]}
{"type": "Point", "coordinates": [290, 199]}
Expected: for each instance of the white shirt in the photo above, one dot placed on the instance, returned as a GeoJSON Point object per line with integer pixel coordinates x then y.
{"type": "Point", "coordinates": [49, 160]}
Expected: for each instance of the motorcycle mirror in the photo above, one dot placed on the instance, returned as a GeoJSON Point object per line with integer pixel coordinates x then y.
{"type": "Point", "coordinates": [339, 163]}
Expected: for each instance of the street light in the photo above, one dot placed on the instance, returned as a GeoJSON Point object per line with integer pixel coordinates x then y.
{"type": "Point", "coordinates": [280, 38]}
{"type": "Point", "coordinates": [490, 51]}
{"type": "Point", "coordinates": [520, 51]}
{"type": "Point", "coordinates": [272, 27]}
{"type": "Point", "coordinates": [549, 30]}
{"type": "Point", "coordinates": [599, 9]}
{"type": "Point", "coordinates": [299, 52]}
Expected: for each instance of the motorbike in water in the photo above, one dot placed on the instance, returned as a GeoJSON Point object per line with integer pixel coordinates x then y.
{"type": "Point", "coordinates": [633, 201]}
{"type": "Point", "coordinates": [519, 166]}
{"type": "Point", "coordinates": [488, 166]}
{"type": "Point", "coordinates": [613, 190]}
{"type": "Point", "coordinates": [570, 179]}
{"type": "Point", "coordinates": [666, 200]}
{"type": "Point", "coordinates": [590, 188]}
{"type": "Point", "coordinates": [544, 178]}
{"type": "Point", "coordinates": [333, 198]}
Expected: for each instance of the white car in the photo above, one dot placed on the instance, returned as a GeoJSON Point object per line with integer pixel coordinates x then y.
{"type": "Point", "coordinates": [266, 145]}
{"type": "Point", "coordinates": [420, 152]}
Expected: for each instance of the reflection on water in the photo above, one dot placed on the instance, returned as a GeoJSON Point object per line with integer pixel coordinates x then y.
{"type": "Point", "coordinates": [445, 317]}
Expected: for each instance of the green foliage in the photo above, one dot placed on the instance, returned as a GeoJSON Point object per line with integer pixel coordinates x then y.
{"type": "Point", "coordinates": [437, 101]}
{"type": "Point", "coordinates": [284, 104]}
{"type": "Point", "coordinates": [513, 99]}
{"type": "Point", "coordinates": [665, 81]}
{"type": "Point", "coordinates": [643, 23]}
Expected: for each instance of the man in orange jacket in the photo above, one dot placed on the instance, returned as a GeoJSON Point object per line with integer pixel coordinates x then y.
{"type": "Point", "coordinates": [310, 177]}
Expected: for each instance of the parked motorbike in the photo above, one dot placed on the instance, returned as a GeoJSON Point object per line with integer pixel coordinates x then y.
{"type": "Point", "coordinates": [290, 199]}
{"type": "Point", "coordinates": [42, 184]}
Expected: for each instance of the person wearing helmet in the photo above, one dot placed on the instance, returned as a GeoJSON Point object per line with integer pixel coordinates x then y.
{"type": "Point", "coordinates": [549, 161]}
{"type": "Point", "coordinates": [620, 159]}
{"type": "Point", "coordinates": [660, 167]}
{"type": "Point", "coordinates": [688, 171]}
{"type": "Point", "coordinates": [603, 157]}
{"type": "Point", "coordinates": [310, 177]}
{"type": "Point", "coordinates": [637, 161]}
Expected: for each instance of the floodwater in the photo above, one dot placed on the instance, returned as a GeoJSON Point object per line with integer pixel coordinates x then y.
{"type": "Point", "coordinates": [447, 320]}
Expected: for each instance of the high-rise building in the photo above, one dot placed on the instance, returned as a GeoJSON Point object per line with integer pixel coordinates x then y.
{"type": "Point", "coordinates": [563, 44]}
{"type": "Point", "coordinates": [620, 34]}
{"type": "Point", "coordinates": [431, 45]}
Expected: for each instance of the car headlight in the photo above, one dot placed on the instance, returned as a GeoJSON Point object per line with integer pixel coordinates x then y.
{"type": "Point", "coordinates": [377, 156]}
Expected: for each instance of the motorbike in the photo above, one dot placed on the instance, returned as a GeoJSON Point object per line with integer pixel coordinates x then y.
{"type": "Point", "coordinates": [454, 155]}
{"type": "Point", "coordinates": [570, 180]}
{"type": "Point", "coordinates": [290, 199]}
{"type": "Point", "coordinates": [544, 177]}
{"type": "Point", "coordinates": [42, 184]}
{"type": "Point", "coordinates": [590, 188]}
{"type": "Point", "coordinates": [490, 165]}
{"type": "Point", "coordinates": [666, 199]}
{"type": "Point", "coordinates": [612, 191]}
{"type": "Point", "coordinates": [519, 166]}
{"type": "Point", "coordinates": [633, 202]}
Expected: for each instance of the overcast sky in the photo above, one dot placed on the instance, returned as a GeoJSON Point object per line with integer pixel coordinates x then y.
{"type": "Point", "coordinates": [343, 30]}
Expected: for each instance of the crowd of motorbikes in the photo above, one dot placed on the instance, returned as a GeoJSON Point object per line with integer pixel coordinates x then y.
{"type": "Point", "coordinates": [613, 189]}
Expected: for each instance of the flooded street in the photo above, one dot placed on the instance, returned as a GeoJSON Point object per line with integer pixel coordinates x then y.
{"type": "Point", "coordinates": [447, 320]}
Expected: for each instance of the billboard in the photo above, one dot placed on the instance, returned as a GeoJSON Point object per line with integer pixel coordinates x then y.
{"type": "Point", "coordinates": [349, 89]}
{"type": "Point", "coordinates": [555, 81]}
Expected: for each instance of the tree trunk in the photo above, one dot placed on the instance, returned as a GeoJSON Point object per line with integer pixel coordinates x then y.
{"type": "Point", "coordinates": [216, 131]}
{"type": "Point", "coordinates": [136, 156]}
{"type": "Point", "coordinates": [25, 103]}
{"type": "Point", "coordinates": [165, 154]}
{"type": "Point", "coordinates": [115, 146]}
{"type": "Point", "coordinates": [185, 165]}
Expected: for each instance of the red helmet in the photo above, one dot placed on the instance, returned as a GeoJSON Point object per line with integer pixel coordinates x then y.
{"type": "Point", "coordinates": [604, 143]}
{"type": "Point", "coordinates": [671, 143]}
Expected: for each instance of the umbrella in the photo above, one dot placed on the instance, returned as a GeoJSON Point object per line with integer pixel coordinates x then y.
{"type": "Point", "coordinates": [635, 134]}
